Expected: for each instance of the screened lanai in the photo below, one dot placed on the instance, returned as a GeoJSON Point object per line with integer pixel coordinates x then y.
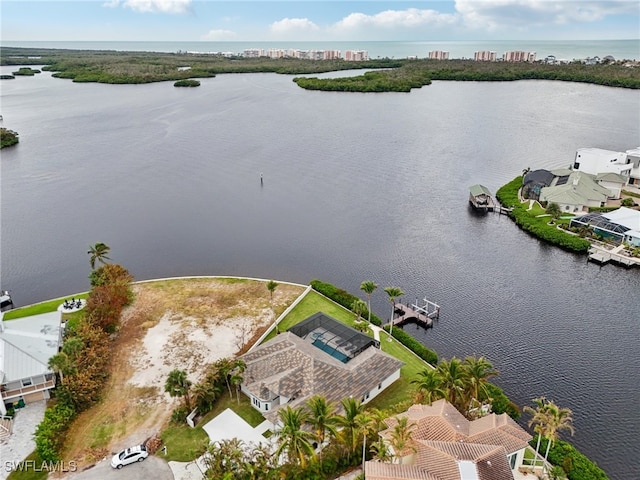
{"type": "Point", "coordinates": [600, 225]}
{"type": "Point", "coordinates": [329, 335]}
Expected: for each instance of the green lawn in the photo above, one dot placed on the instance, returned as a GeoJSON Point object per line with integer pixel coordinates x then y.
{"type": "Point", "coordinates": [29, 472]}
{"type": "Point", "coordinates": [39, 308]}
{"type": "Point", "coordinates": [185, 444]}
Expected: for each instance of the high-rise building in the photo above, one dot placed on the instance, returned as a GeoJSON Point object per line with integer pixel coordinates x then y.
{"type": "Point", "coordinates": [485, 56]}
{"type": "Point", "coordinates": [519, 56]}
{"type": "Point", "coordinates": [438, 55]}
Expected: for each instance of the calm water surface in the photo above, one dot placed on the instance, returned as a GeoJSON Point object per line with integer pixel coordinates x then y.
{"type": "Point", "coordinates": [356, 186]}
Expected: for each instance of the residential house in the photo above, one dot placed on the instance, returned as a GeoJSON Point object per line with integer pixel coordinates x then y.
{"type": "Point", "coordinates": [26, 345]}
{"type": "Point", "coordinates": [598, 160]}
{"type": "Point", "coordinates": [317, 356]}
{"type": "Point", "coordinates": [622, 225]}
{"type": "Point", "coordinates": [534, 181]}
{"type": "Point", "coordinates": [575, 192]}
{"type": "Point", "coordinates": [447, 445]}
{"type": "Point", "coordinates": [633, 157]}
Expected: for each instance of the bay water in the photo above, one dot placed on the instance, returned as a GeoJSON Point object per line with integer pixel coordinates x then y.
{"type": "Point", "coordinates": [356, 187]}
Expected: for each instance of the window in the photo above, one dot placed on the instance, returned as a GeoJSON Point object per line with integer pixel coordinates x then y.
{"type": "Point", "coordinates": [26, 382]}
{"type": "Point", "coordinates": [512, 460]}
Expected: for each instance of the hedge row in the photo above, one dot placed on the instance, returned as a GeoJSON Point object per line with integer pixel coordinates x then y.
{"type": "Point", "coordinates": [341, 297]}
{"type": "Point", "coordinates": [574, 463]}
{"type": "Point", "coordinates": [414, 345]}
{"type": "Point", "coordinates": [507, 195]}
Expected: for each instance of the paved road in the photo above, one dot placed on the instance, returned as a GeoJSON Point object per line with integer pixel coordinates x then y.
{"type": "Point", "coordinates": [152, 468]}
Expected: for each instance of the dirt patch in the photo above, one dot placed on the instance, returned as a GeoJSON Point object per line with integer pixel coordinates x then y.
{"type": "Point", "coordinates": [185, 324]}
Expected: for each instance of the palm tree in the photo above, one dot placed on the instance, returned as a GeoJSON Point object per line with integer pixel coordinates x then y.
{"type": "Point", "coordinates": [292, 438]}
{"type": "Point", "coordinates": [393, 292]}
{"type": "Point", "coordinates": [322, 417]}
{"type": "Point", "coordinates": [368, 287]}
{"type": "Point", "coordinates": [380, 451]}
{"type": "Point", "coordinates": [366, 426]}
{"type": "Point", "coordinates": [557, 419]}
{"type": "Point", "coordinates": [477, 371]}
{"type": "Point", "coordinates": [62, 364]}
{"type": "Point", "coordinates": [452, 376]}
{"type": "Point", "coordinates": [205, 395]}
{"type": "Point", "coordinates": [539, 420]}
{"type": "Point", "coordinates": [98, 252]}
{"type": "Point", "coordinates": [401, 437]}
{"type": "Point", "coordinates": [429, 384]}
{"type": "Point", "coordinates": [352, 408]}
{"type": "Point", "coordinates": [178, 385]}
{"type": "Point", "coordinates": [358, 307]}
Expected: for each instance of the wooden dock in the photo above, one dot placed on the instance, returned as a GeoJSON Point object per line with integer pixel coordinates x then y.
{"type": "Point", "coordinates": [423, 315]}
{"type": "Point", "coordinates": [601, 256]}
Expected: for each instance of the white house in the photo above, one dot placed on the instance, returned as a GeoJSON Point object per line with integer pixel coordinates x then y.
{"type": "Point", "coordinates": [598, 160]}
{"type": "Point", "coordinates": [318, 356]}
{"type": "Point", "coordinates": [26, 345]}
{"type": "Point", "coordinates": [633, 157]}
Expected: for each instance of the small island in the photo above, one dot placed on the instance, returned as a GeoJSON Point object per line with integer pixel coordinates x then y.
{"type": "Point", "coordinates": [8, 137]}
{"type": "Point", "coordinates": [187, 83]}
{"type": "Point", "coordinates": [26, 71]}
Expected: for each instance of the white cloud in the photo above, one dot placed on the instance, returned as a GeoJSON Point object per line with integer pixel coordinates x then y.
{"type": "Point", "coordinates": [293, 27]}
{"type": "Point", "coordinates": [111, 4]}
{"type": "Point", "coordinates": [498, 14]}
{"type": "Point", "coordinates": [159, 6]}
{"type": "Point", "coordinates": [392, 23]}
{"type": "Point", "coordinates": [219, 35]}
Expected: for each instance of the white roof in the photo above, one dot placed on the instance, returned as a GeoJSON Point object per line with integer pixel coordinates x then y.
{"type": "Point", "coordinates": [229, 424]}
{"type": "Point", "coordinates": [626, 217]}
{"type": "Point", "coordinates": [27, 344]}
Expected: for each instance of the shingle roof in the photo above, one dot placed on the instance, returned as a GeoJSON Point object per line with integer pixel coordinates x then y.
{"type": "Point", "coordinates": [580, 189]}
{"type": "Point", "coordinates": [290, 366]}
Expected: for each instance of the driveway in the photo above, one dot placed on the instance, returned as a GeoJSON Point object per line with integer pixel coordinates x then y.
{"type": "Point", "coordinates": [152, 467]}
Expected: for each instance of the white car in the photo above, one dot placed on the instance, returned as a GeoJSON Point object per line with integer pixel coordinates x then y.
{"type": "Point", "coordinates": [129, 455]}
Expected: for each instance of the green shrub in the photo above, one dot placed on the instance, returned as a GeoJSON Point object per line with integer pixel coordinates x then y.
{"type": "Point", "coordinates": [574, 463]}
{"type": "Point", "coordinates": [50, 432]}
{"type": "Point", "coordinates": [500, 403]}
{"type": "Point", "coordinates": [507, 195]}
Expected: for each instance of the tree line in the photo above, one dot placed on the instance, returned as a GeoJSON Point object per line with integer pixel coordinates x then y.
{"type": "Point", "coordinates": [82, 362]}
{"type": "Point", "coordinates": [399, 75]}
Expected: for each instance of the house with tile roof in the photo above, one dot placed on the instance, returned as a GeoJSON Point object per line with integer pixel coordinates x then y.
{"type": "Point", "coordinates": [26, 345]}
{"type": "Point", "coordinates": [447, 446]}
{"type": "Point", "coordinates": [318, 356]}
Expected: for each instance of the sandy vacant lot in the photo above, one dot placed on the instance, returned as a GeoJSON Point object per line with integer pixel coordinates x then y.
{"type": "Point", "coordinates": [185, 324]}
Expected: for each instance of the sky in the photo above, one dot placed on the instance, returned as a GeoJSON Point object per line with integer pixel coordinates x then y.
{"type": "Point", "coordinates": [329, 20]}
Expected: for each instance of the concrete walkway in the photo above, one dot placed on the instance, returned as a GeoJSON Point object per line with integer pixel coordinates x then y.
{"type": "Point", "coordinates": [21, 442]}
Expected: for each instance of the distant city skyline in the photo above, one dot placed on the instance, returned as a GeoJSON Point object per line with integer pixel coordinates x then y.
{"type": "Point", "coordinates": [330, 20]}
